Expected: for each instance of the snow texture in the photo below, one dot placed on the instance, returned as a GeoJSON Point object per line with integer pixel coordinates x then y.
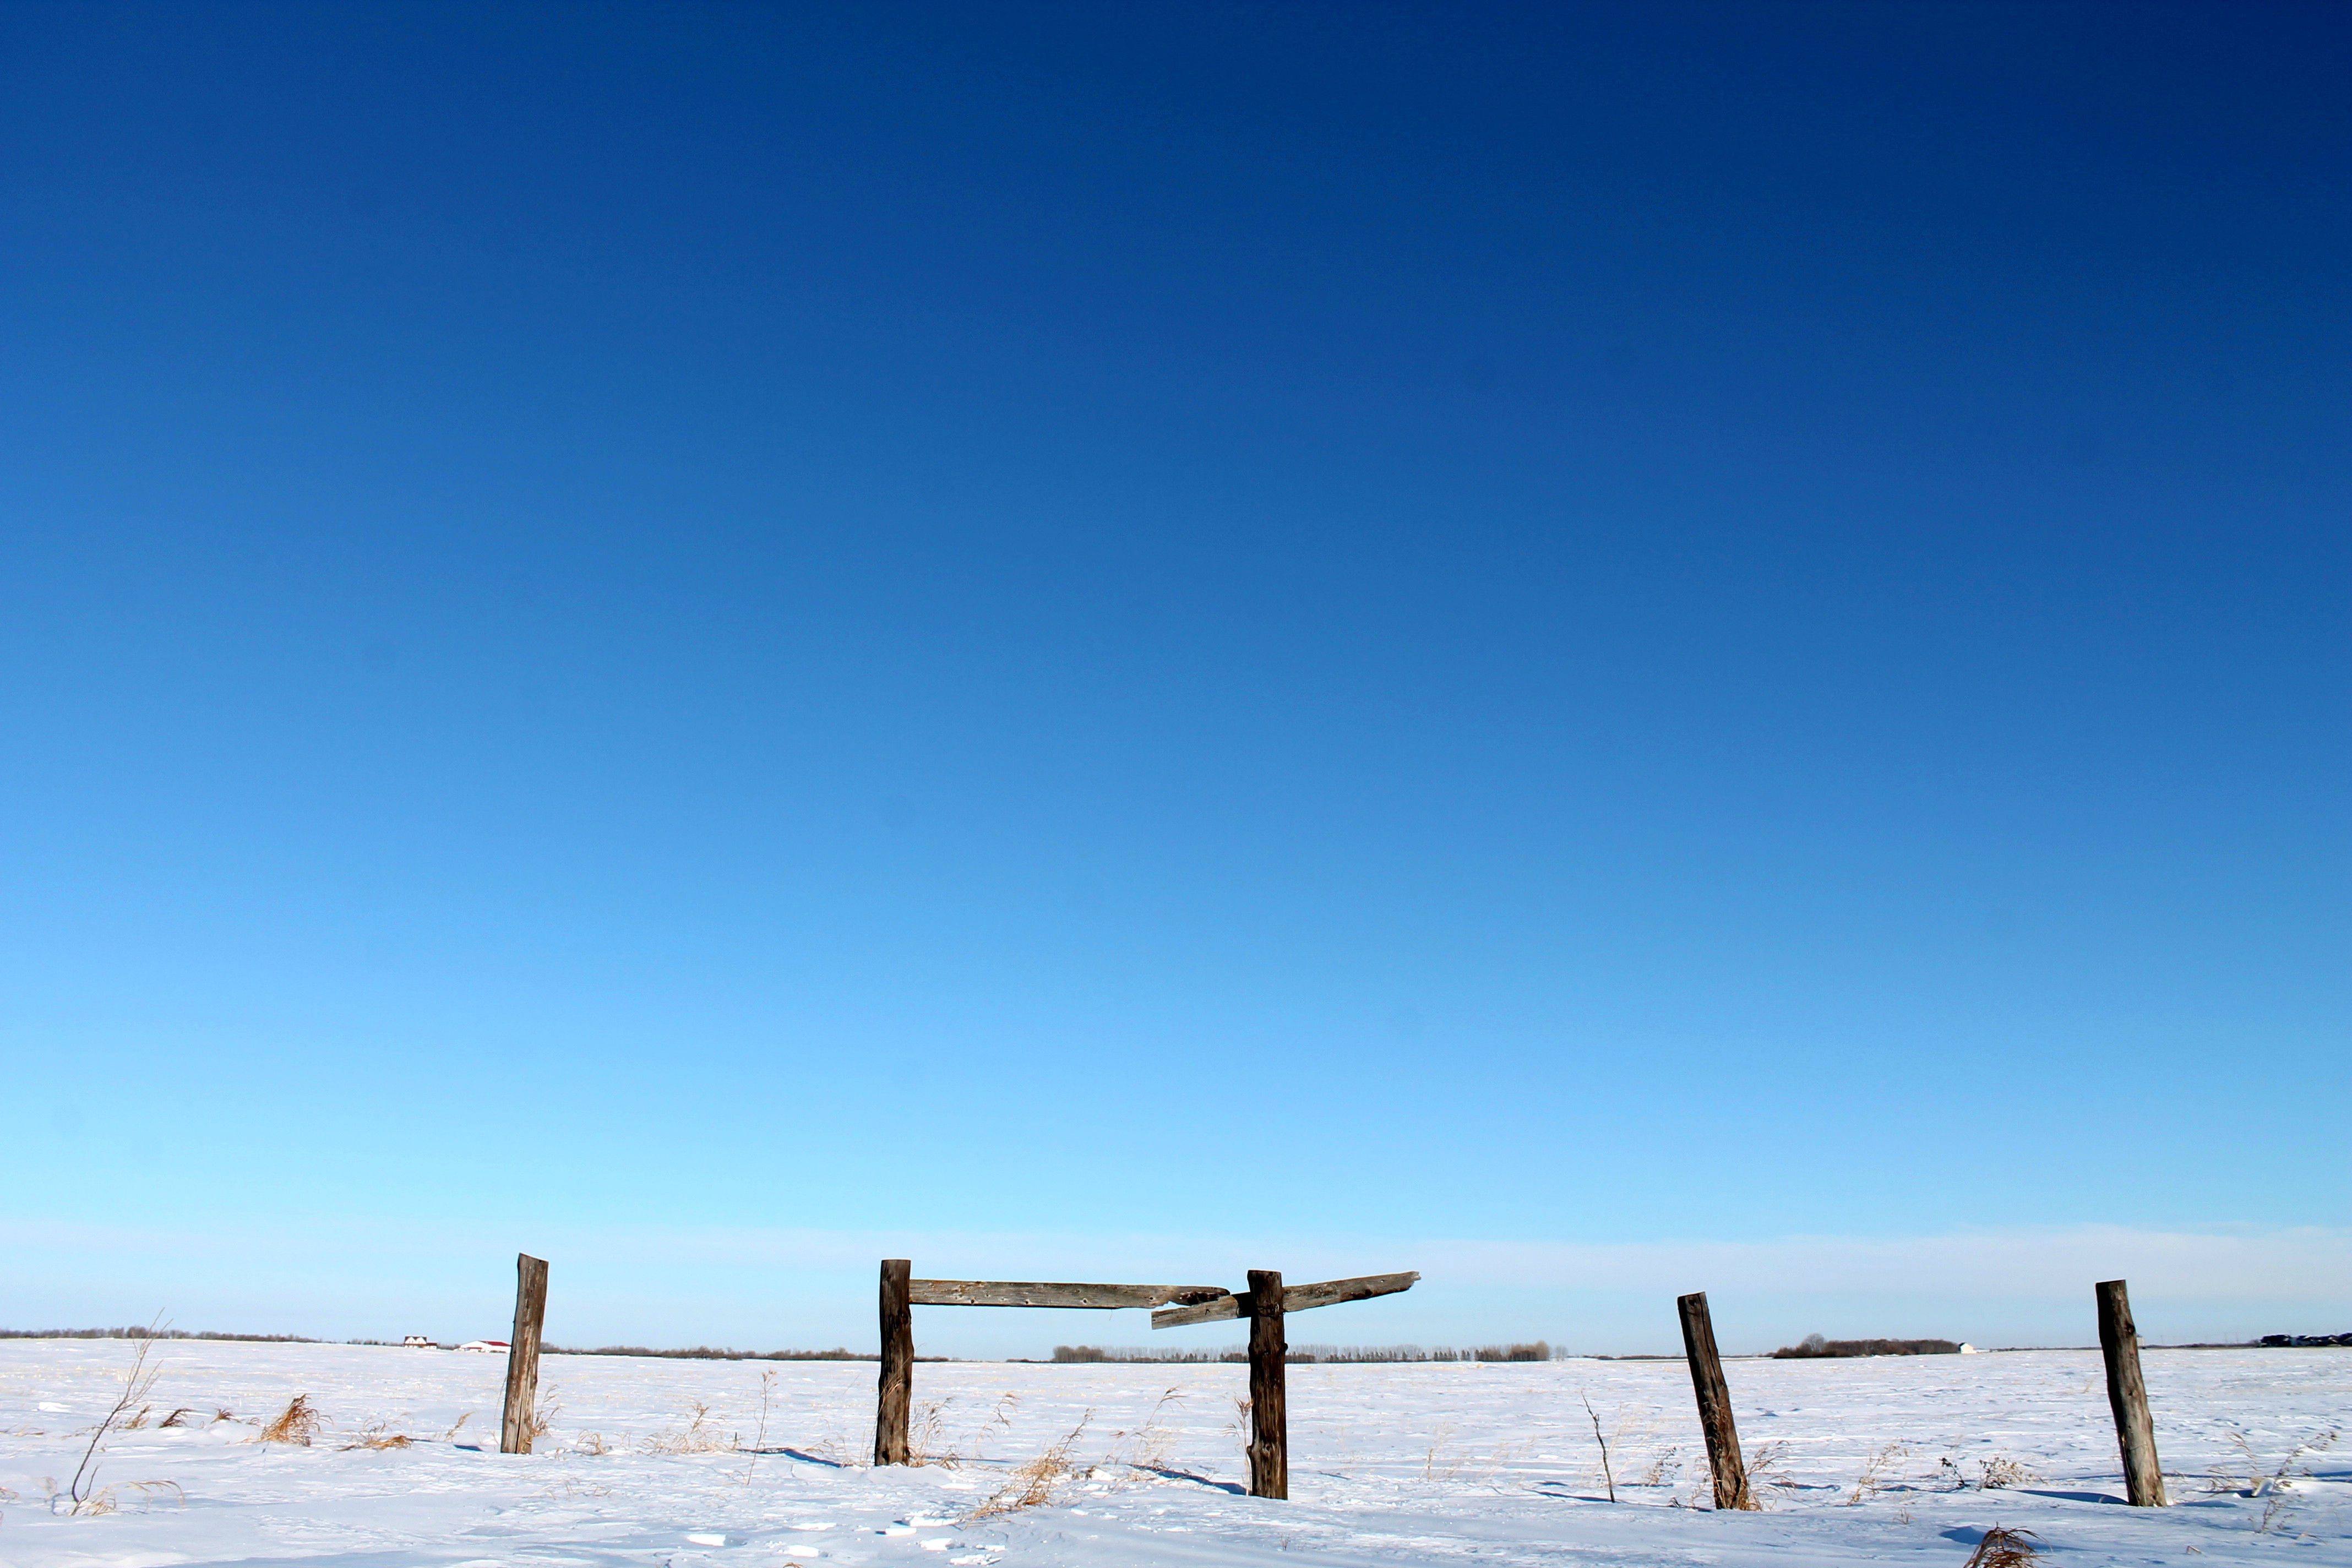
{"type": "Point", "coordinates": [1885, 1460]}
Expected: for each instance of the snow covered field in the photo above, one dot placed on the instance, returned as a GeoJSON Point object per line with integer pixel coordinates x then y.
{"type": "Point", "coordinates": [1876, 1460]}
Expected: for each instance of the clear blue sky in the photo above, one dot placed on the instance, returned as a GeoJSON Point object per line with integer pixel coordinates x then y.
{"type": "Point", "coordinates": [1069, 637]}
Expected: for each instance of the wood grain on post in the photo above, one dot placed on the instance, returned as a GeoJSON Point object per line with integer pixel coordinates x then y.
{"type": "Point", "coordinates": [1713, 1404]}
{"type": "Point", "coordinates": [522, 1353]}
{"type": "Point", "coordinates": [1269, 1448]}
{"type": "Point", "coordinates": [2127, 1396]}
{"type": "Point", "coordinates": [896, 1390]}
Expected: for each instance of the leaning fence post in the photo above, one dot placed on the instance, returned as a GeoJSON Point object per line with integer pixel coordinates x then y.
{"type": "Point", "coordinates": [896, 1388]}
{"type": "Point", "coordinates": [522, 1353]}
{"type": "Point", "coordinates": [1269, 1447]}
{"type": "Point", "coordinates": [2127, 1396]}
{"type": "Point", "coordinates": [1713, 1404]}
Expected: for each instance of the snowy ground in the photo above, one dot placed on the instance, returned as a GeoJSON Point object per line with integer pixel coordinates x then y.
{"type": "Point", "coordinates": [1877, 1461]}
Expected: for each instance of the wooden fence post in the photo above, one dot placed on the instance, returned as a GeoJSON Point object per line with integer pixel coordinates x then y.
{"type": "Point", "coordinates": [522, 1353]}
{"type": "Point", "coordinates": [1269, 1448]}
{"type": "Point", "coordinates": [897, 1383]}
{"type": "Point", "coordinates": [1713, 1404]}
{"type": "Point", "coordinates": [2127, 1396]}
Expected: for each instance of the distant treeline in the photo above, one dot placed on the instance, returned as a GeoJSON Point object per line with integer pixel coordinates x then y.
{"type": "Point", "coordinates": [1816, 1345]}
{"type": "Point", "coordinates": [151, 1333]}
{"type": "Point", "coordinates": [709, 1352]}
{"type": "Point", "coordinates": [1306, 1355]}
{"type": "Point", "coordinates": [1299, 1355]}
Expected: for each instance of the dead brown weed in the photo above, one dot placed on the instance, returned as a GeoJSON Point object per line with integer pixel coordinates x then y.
{"type": "Point", "coordinates": [1032, 1485]}
{"type": "Point", "coordinates": [298, 1423]}
{"type": "Point", "coordinates": [699, 1436]}
{"type": "Point", "coordinates": [2005, 1548]}
{"type": "Point", "coordinates": [377, 1438]}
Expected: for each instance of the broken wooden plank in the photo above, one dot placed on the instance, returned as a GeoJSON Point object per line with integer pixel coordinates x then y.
{"type": "Point", "coordinates": [1033, 1293]}
{"type": "Point", "coordinates": [1295, 1299]}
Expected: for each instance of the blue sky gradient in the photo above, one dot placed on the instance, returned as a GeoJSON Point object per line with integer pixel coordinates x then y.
{"type": "Point", "coordinates": [1217, 629]}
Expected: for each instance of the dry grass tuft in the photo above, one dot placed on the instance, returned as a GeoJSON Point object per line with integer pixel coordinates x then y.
{"type": "Point", "coordinates": [926, 1442]}
{"type": "Point", "coordinates": [177, 1419]}
{"type": "Point", "coordinates": [759, 1433]}
{"type": "Point", "coordinates": [697, 1437]}
{"type": "Point", "coordinates": [1664, 1468]}
{"type": "Point", "coordinates": [1998, 1473]}
{"type": "Point", "coordinates": [543, 1412]}
{"type": "Point", "coordinates": [1032, 1486]}
{"type": "Point", "coordinates": [2276, 1488]}
{"type": "Point", "coordinates": [2219, 1480]}
{"type": "Point", "coordinates": [1428, 1470]}
{"type": "Point", "coordinates": [923, 1437]}
{"type": "Point", "coordinates": [1873, 1474]}
{"type": "Point", "coordinates": [2273, 1486]}
{"type": "Point", "coordinates": [1147, 1447]}
{"type": "Point", "coordinates": [109, 1500]}
{"type": "Point", "coordinates": [2004, 1548]}
{"type": "Point", "coordinates": [377, 1437]}
{"type": "Point", "coordinates": [298, 1423]}
{"type": "Point", "coordinates": [1769, 1467]}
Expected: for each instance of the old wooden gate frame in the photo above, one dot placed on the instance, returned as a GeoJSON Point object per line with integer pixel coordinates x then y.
{"type": "Point", "coordinates": [1269, 1450]}
{"type": "Point", "coordinates": [1264, 1304]}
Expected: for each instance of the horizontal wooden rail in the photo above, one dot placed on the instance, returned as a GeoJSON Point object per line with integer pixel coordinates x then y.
{"type": "Point", "coordinates": [1033, 1293]}
{"type": "Point", "coordinates": [1295, 1299]}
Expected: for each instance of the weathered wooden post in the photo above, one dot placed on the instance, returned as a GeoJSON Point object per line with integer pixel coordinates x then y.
{"type": "Point", "coordinates": [1269, 1447]}
{"type": "Point", "coordinates": [1263, 1304]}
{"type": "Point", "coordinates": [522, 1353]}
{"type": "Point", "coordinates": [1713, 1404]}
{"type": "Point", "coordinates": [896, 1388]}
{"type": "Point", "coordinates": [2127, 1396]}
